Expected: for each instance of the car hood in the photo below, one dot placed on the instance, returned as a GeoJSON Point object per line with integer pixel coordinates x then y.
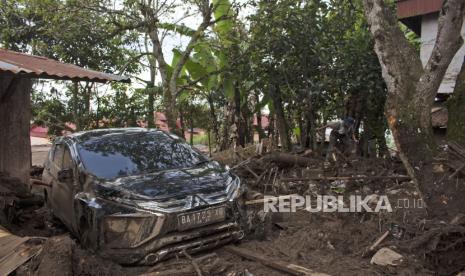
{"type": "Point", "coordinates": [180, 188]}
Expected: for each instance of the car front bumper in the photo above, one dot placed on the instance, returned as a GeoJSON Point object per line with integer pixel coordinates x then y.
{"type": "Point", "coordinates": [169, 245]}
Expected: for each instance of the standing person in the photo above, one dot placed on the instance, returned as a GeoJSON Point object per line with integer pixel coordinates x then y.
{"type": "Point", "coordinates": [342, 133]}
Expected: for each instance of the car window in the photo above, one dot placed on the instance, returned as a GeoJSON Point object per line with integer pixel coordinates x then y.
{"type": "Point", "coordinates": [58, 155]}
{"type": "Point", "coordinates": [67, 159]}
{"type": "Point", "coordinates": [124, 154]}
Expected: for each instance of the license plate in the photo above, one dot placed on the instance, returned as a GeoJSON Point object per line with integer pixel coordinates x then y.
{"type": "Point", "coordinates": [200, 218]}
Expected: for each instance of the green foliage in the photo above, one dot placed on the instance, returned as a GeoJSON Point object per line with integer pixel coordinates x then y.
{"type": "Point", "coordinates": [200, 139]}
{"type": "Point", "coordinates": [66, 31]}
{"type": "Point", "coordinates": [123, 108]}
{"type": "Point", "coordinates": [317, 55]}
{"type": "Point", "coordinates": [49, 110]}
{"type": "Point", "coordinates": [224, 15]}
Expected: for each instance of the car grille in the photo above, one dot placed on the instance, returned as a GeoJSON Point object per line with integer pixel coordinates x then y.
{"type": "Point", "coordinates": [176, 204]}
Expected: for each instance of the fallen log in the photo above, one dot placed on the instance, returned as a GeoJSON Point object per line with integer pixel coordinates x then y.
{"type": "Point", "coordinates": [282, 266]}
{"type": "Point", "coordinates": [361, 177]}
{"type": "Point", "coordinates": [457, 171]}
{"type": "Point", "coordinates": [287, 159]}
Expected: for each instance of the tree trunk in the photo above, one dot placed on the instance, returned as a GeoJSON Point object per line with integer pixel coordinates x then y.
{"type": "Point", "coordinates": [374, 130]}
{"type": "Point", "coordinates": [271, 128]}
{"type": "Point", "coordinates": [213, 119]}
{"type": "Point", "coordinates": [191, 126]}
{"type": "Point", "coordinates": [240, 131]}
{"type": "Point", "coordinates": [87, 104]}
{"type": "Point", "coordinates": [247, 123]}
{"type": "Point", "coordinates": [411, 92]}
{"type": "Point", "coordinates": [228, 121]}
{"type": "Point", "coordinates": [171, 112]}
{"type": "Point", "coordinates": [209, 143]}
{"type": "Point", "coordinates": [258, 114]}
{"type": "Point", "coordinates": [281, 122]}
{"type": "Point", "coordinates": [97, 113]}
{"type": "Point", "coordinates": [75, 105]}
{"type": "Point", "coordinates": [150, 109]}
{"type": "Point", "coordinates": [181, 121]}
{"type": "Point", "coordinates": [308, 128]}
{"type": "Point", "coordinates": [456, 110]}
{"type": "Point", "coordinates": [15, 116]}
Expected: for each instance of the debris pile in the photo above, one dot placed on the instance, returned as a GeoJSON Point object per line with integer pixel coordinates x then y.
{"type": "Point", "coordinates": [452, 157]}
{"type": "Point", "coordinates": [426, 247]}
{"type": "Point", "coordinates": [300, 243]}
{"type": "Point", "coordinates": [278, 173]}
{"type": "Point", "coordinates": [15, 196]}
{"type": "Point", "coordinates": [62, 256]}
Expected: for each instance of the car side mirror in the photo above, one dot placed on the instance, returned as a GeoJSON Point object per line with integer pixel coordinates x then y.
{"type": "Point", "coordinates": [65, 175]}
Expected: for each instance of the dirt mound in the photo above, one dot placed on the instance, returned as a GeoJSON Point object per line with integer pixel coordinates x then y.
{"type": "Point", "coordinates": [61, 256]}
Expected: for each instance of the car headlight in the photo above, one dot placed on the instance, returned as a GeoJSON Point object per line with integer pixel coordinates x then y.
{"type": "Point", "coordinates": [234, 189]}
{"type": "Point", "coordinates": [129, 230]}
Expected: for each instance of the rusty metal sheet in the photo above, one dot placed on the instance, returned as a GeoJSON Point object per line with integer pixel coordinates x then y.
{"type": "Point", "coordinates": [411, 8]}
{"type": "Point", "coordinates": [40, 67]}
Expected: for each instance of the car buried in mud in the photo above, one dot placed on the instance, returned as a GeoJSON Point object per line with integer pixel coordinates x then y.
{"type": "Point", "coordinates": [138, 196]}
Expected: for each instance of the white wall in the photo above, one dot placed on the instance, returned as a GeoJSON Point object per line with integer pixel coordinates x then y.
{"type": "Point", "coordinates": [429, 28]}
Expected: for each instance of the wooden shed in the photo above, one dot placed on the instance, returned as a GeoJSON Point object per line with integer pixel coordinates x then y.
{"type": "Point", "coordinates": [17, 71]}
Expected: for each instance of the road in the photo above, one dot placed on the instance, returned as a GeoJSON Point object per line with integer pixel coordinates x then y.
{"type": "Point", "coordinates": [39, 148]}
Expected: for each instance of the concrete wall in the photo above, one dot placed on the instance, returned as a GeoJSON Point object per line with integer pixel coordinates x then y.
{"type": "Point", "coordinates": [15, 119]}
{"type": "Point", "coordinates": [429, 28]}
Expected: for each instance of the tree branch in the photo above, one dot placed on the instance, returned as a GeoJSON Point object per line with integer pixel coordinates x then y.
{"type": "Point", "coordinates": [448, 42]}
{"type": "Point", "coordinates": [399, 61]}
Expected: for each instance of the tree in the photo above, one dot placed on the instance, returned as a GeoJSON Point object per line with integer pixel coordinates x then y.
{"type": "Point", "coordinates": [456, 110]}
{"type": "Point", "coordinates": [411, 92]}
{"type": "Point", "coordinates": [147, 18]}
{"type": "Point", "coordinates": [48, 109]}
{"type": "Point", "coordinates": [64, 31]}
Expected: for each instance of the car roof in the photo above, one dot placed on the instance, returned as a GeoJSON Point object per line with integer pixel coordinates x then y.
{"type": "Point", "coordinates": [84, 136]}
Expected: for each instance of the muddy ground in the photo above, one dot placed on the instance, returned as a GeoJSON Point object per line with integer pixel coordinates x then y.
{"type": "Point", "coordinates": [332, 243]}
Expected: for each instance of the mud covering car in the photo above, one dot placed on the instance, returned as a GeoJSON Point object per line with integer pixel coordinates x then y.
{"type": "Point", "coordinates": [139, 196]}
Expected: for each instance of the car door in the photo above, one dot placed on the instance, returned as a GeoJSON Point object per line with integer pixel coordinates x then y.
{"type": "Point", "coordinates": [47, 176]}
{"type": "Point", "coordinates": [63, 188]}
{"type": "Point", "coordinates": [53, 169]}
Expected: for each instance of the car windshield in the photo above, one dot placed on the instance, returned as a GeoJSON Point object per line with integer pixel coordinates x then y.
{"type": "Point", "coordinates": [124, 154]}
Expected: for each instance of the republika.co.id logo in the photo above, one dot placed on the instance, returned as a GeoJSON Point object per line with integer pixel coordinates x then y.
{"type": "Point", "coordinates": [327, 203]}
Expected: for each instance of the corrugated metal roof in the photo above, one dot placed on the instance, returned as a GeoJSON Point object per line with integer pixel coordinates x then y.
{"type": "Point", "coordinates": [411, 8]}
{"type": "Point", "coordinates": [41, 67]}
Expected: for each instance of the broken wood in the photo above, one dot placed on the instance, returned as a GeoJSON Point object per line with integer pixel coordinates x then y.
{"type": "Point", "coordinates": [193, 262]}
{"type": "Point", "coordinates": [250, 171]}
{"type": "Point", "coordinates": [457, 171]}
{"type": "Point", "coordinates": [282, 266]}
{"type": "Point", "coordinates": [287, 159]}
{"type": "Point", "coordinates": [376, 243]}
{"type": "Point", "coordinates": [263, 200]}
